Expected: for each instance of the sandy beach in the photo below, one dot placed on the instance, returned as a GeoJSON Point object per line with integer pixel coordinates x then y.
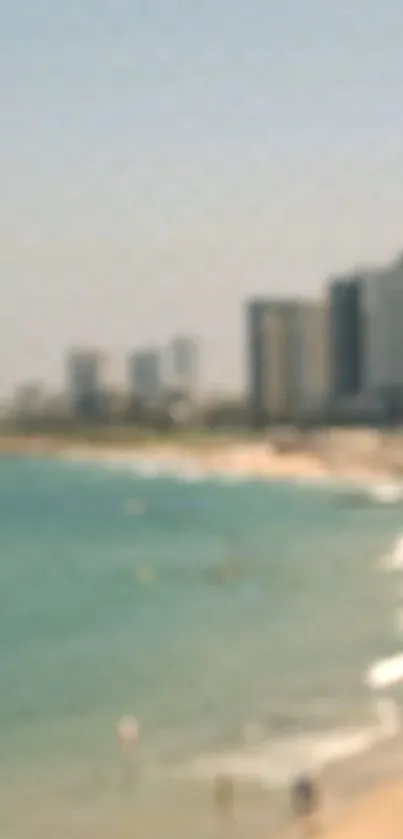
{"type": "Point", "coordinates": [378, 815]}
{"type": "Point", "coordinates": [233, 461]}
{"type": "Point", "coordinates": [359, 455]}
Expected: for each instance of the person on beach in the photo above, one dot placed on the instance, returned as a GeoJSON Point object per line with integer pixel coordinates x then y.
{"type": "Point", "coordinates": [127, 731]}
{"type": "Point", "coordinates": [224, 795]}
{"type": "Point", "coordinates": [305, 802]}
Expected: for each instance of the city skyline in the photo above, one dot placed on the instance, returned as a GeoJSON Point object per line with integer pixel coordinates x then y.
{"type": "Point", "coordinates": [173, 366]}
{"type": "Point", "coordinates": [159, 169]}
{"type": "Point", "coordinates": [336, 356]}
{"type": "Point", "coordinates": [117, 362]}
{"type": "Point", "coordinates": [352, 309]}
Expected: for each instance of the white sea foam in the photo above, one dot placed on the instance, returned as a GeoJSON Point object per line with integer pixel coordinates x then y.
{"type": "Point", "coordinates": [178, 468]}
{"type": "Point", "coordinates": [394, 559]}
{"type": "Point", "coordinates": [274, 763]}
{"type": "Point", "coordinates": [145, 468]}
{"type": "Point", "coordinates": [386, 672]}
{"type": "Point", "coordinates": [189, 474]}
{"type": "Point", "coordinates": [387, 493]}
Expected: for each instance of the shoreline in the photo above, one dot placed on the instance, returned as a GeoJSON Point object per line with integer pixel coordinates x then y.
{"type": "Point", "coordinates": [214, 457]}
{"type": "Point", "coordinates": [363, 802]}
{"type": "Point", "coordinates": [359, 806]}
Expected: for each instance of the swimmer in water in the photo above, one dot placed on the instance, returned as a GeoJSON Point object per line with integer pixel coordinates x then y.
{"type": "Point", "coordinates": [227, 572]}
{"type": "Point", "coordinates": [145, 575]}
{"type": "Point", "coordinates": [305, 804]}
{"type": "Point", "coordinates": [136, 507]}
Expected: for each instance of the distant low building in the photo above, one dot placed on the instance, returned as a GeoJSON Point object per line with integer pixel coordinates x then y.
{"type": "Point", "coordinates": [29, 400]}
{"type": "Point", "coordinates": [224, 411]}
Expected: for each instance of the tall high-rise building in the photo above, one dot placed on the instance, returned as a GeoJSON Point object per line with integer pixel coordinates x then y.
{"type": "Point", "coordinates": [145, 376]}
{"type": "Point", "coordinates": [313, 355]}
{"type": "Point", "coordinates": [287, 362]}
{"type": "Point", "coordinates": [262, 341]}
{"type": "Point", "coordinates": [346, 338]}
{"type": "Point", "coordinates": [86, 383]}
{"type": "Point", "coordinates": [382, 297]}
{"type": "Point", "coordinates": [183, 360]}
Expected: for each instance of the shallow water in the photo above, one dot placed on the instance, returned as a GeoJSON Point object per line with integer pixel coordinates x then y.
{"type": "Point", "coordinates": [236, 622]}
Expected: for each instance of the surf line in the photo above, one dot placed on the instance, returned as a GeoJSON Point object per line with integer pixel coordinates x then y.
{"type": "Point", "coordinates": [387, 672]}
{"type": "Point", "coordinates": [394, 559]}
{"type": "Point", "coordinates": [384, 674]}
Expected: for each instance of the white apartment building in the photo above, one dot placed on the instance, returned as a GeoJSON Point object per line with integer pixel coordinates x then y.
{"type": "Point", "coordinates": [313, 357]}
{"type": "Point", "coordinates": [288, 359]}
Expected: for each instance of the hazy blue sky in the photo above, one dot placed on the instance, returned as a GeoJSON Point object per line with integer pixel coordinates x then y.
{"type": "Point", "coordinates": [162, 160]}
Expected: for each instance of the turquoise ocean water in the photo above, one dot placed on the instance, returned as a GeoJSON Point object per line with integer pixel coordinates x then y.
{"type": "Point", "coordinates": [114, 601]}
